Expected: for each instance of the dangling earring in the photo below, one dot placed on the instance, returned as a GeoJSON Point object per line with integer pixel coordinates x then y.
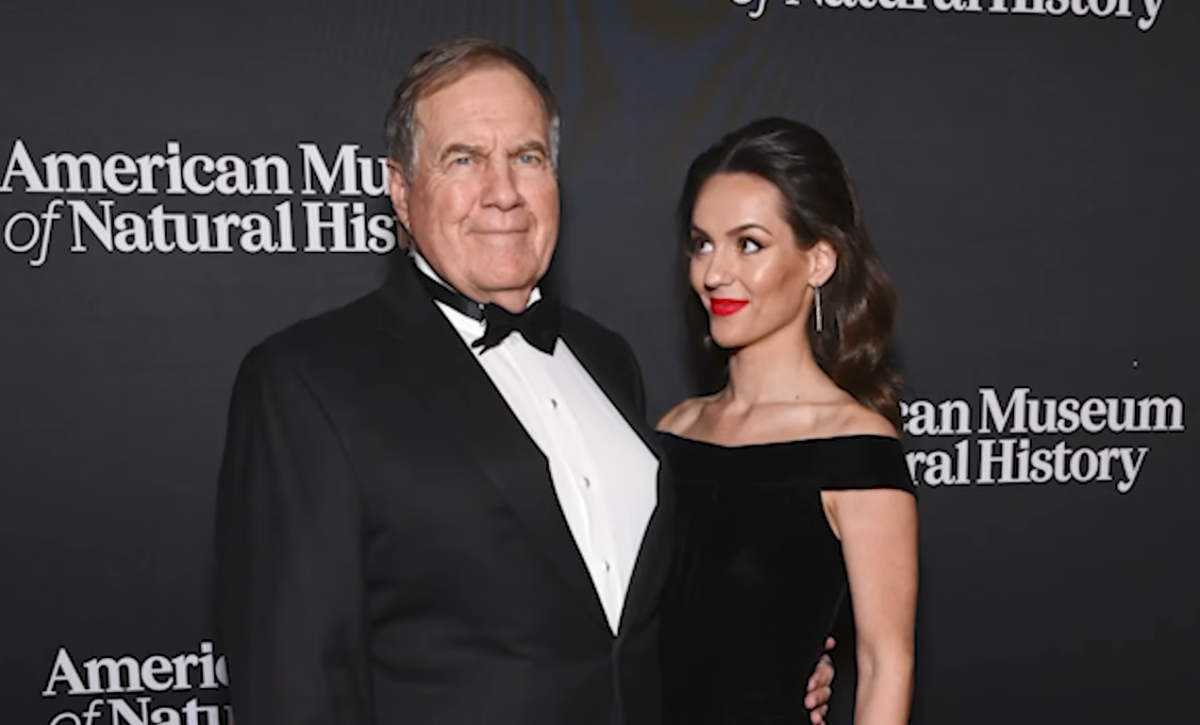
{"type": "Point", "coordinates": [818, 307]}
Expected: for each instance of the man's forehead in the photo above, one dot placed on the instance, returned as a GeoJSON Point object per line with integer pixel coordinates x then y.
{"type": "Point", "coordinates": [485, 104]}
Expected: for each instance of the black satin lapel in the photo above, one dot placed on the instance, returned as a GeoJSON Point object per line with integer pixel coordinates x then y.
{"type": "Point", "coordinates": [654, 556]}
{"type": "Point", "coordinates": [458, 396]}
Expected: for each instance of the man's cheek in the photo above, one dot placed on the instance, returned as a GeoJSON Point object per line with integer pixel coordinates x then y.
{"type": "Point", "coordinates": [454, 201]}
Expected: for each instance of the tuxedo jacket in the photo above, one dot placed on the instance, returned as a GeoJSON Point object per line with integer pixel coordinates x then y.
{"type": "Point", "coordinates": [391, 549]}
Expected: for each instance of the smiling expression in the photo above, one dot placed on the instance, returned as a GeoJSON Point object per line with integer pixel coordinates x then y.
{"type": "Point", "coordinates": [483, 205]}
{"type": "Point", "coordinates": [747, 266]}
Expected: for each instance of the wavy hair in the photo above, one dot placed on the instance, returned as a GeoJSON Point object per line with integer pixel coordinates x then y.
{"type": "Point", "coordinates": [858, 302]}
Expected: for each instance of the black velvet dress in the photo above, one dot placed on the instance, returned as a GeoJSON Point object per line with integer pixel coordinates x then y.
{"type": "Point", "coordinates": [758, 577]}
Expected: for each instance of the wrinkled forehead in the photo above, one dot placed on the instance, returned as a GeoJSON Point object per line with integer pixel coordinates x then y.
{"type": "Point", "coordinates": [486, 103]}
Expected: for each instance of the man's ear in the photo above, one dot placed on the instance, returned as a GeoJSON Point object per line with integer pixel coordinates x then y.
{"type": "Point", "coordinates": [398, 190]}
{"type": "Point", "coordinates": [824, 259]}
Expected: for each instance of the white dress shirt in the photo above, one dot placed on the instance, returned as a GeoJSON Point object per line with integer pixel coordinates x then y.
{"type": "Point", "coordinates": [604, 475]}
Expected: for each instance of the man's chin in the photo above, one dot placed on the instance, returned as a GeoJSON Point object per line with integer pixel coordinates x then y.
{"type": "Point", "coordinates": [503, 243]}
{"type": "Point", "coordinates": [495, 282]}
{"type": "Point", "coordinates": [502, 273]}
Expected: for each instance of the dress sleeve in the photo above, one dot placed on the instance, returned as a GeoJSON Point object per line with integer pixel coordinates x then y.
{"type": "Point", "coordinates": [863, 462]}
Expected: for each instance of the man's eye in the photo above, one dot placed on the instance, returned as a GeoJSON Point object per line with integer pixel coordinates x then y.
{"type": "Point", "coordinates": [461, 160]}
{"type": "Point", "coordinates": [529, 159]}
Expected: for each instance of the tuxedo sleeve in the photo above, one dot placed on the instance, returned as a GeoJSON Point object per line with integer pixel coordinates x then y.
{"type": "Point", "coordinates": [291, 592]}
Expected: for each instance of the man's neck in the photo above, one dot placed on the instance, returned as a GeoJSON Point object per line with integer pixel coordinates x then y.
{"type": "Point", "coordinates": [514, 301]}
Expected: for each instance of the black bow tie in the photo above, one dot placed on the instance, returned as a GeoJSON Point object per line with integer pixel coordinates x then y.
{"type": "Point", "coordinates": [538, 324]}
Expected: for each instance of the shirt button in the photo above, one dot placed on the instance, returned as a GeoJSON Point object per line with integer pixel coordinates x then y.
{"type": "Point", "coordinates": [554, 403]}
{"type": "Point", "coordinates": [607, 567]}
{"type": "Point", "coordinates": [587, 482]}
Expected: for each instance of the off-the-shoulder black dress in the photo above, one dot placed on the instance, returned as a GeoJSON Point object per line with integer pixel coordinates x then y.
{"type": "Point", "coordinates": [758, 576]}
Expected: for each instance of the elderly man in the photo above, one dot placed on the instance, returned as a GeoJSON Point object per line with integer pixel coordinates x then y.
{"type": "Point", "coordinates": [423, 517]}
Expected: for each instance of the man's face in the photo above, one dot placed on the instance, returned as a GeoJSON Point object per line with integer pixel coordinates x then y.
{"type": "Point", "coordinates": [483, 204]}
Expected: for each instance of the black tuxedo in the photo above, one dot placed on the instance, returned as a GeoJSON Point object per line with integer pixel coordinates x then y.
{"type": "Point", "coordinates": [391, 549]}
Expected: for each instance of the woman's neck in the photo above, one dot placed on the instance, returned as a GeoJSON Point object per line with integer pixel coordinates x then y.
{"type": "Point", "coordinates": [777, 369]}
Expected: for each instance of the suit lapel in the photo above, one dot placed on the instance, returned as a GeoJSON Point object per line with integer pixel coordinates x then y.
{"type": "Point", "coordinates": [654, 555]}
{"type": "Point", "coordinates": [458, 395]}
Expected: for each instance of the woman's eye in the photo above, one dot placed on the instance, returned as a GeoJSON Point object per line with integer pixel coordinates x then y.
{"type": "Point", "coordinates": [749, 246]}
{"type": "Point", "coordinates": [701, 246]}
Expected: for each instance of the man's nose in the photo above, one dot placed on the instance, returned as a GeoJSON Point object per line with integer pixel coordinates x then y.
{"type": "Point", "coordinates": [500, 189]}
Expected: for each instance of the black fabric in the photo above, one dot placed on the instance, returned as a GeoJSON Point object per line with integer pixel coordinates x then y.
{"type": "Point", "coordinates": [390, 545]}
{"type": "Point", "coordinates": [450, 296]}
{"type": "Point", "coordinates": [758, 577]}
{"type": "Point", "coordinates": [538, 324]}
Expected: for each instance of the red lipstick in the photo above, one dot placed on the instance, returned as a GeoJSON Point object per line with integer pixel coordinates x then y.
{"type": "Point", "coordinates": [724, 307]}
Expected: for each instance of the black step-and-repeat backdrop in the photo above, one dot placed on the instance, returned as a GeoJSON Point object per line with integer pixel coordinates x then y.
{"type": "Point", "coordinates": [180, 180]}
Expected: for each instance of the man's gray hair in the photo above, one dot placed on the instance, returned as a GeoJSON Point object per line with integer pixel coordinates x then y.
{"type": "Point", "coordinates": [442, 65]}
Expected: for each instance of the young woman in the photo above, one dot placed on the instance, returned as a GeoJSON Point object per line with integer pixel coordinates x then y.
{"type": "Point", "coordinates": [793, 494]}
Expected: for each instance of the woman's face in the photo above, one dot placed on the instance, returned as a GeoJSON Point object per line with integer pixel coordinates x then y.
{"type": "Point", "coordinates": [747, 265]}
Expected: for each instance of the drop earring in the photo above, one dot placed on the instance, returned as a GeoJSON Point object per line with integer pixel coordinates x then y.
{"type": "Point", "coordinates": [818, 308]}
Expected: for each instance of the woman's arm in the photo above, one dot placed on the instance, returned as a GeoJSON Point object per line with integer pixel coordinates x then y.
{"type": "Point", "coordinates": [878, 531]}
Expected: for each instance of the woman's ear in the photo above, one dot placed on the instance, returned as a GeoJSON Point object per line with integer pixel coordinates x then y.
{"type": "Point", "coordinates": [823, 258]}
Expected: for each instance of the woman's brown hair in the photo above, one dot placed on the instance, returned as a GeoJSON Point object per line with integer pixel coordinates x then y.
{"type": "Point", "coordinates": [858, 302]}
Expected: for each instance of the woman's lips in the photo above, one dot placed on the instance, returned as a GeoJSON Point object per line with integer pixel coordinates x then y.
{"type": "Point", "coordinates": [724, 307]}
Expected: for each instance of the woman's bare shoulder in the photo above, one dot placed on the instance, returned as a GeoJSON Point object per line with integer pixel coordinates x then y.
{"type": "Point", "coordinates": [837, 419]}
{"type": "Point", "coordinates": [857, 419]}
{"type": "Point", "coordinates": [682, 416]}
